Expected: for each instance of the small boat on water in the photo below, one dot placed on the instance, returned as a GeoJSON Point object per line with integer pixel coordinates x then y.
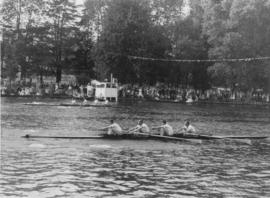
{"type": "Point", "coordinates": [39, 104]}
{"type": "Point", "coordinates": [85, 105]}
{"type": "Point", "coordinates": [70, 105]}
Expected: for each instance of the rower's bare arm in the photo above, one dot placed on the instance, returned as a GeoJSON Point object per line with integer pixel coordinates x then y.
{"type": "Point", "coordinates": [158, 127]}
{"type": "Point", "coordinates": [181, 130]}
{"type": "Point", "coordinates": [104, 128]}
{"type": "Point", "coordinates": [132, 130]}
{"type": "Point", "coordinates": [137, 129]}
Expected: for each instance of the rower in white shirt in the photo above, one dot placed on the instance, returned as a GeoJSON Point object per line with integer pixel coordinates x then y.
{"type": "Point", "coordinates": [165, 129]}
{"type": "Point", "coordinates": [113, 128]}
{"type": "Point", "coordinates": [188, 128]}
{"type": "Point", "coordinates": [141, 127]}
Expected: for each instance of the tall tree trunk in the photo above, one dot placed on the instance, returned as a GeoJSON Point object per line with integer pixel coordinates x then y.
{"type": "Point", "coordinates": [58, 73]}
{"type": "Point", "coordinates": [18, 22]}
{"type": "Point", "coordinates": [41, 77]}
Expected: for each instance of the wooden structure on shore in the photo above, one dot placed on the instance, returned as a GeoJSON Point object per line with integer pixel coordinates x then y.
{"type": "Point", "coordinates": [107, 91]}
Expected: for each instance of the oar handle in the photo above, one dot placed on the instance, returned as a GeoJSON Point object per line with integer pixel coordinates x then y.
{"type": "Point", "coordinates": [168, 137]}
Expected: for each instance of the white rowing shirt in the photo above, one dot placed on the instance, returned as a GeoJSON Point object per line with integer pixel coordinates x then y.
{"type": "Point", "coordinates": [167, 129]}
{"type": "Point", "coordinates": [114, 128]}
{"type": "Point", "coordinates": [143, 128]}
{"type": "Point", "coordinates": [190, 129]}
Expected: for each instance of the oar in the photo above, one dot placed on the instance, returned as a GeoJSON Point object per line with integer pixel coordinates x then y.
{"type": "Point", "coordinates": [93, 128]}
{"type": "Point", "coordinates": [246, 141]}
{"type": "Point", "coordinates": [168, 137]}
{"type": "Point", "coordinates": [243, 141]}
{"type": "Point", "coordinates": [267, 139]}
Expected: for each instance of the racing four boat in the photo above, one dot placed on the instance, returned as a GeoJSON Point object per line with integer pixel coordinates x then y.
{"type": "Point", "coordinates": [144, 136]}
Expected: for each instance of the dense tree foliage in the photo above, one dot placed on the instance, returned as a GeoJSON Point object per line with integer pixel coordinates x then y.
{"type": "Point", "coordinates": [127, 30]}
{"type": "Point", "coordinates": [104, 36]}
{"type": "Point", "coordinates": [237, 29]}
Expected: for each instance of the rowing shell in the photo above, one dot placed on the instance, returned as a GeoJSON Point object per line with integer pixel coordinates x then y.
{"type": "Point", "coordinates": [134, 136]}
{"type": "Point", "coordinates": [69, 105]}
{"type": "Point", "coordinates": [63, 137]}
{"type": "Point", "coordinates": [85, 105]}
{"type": "Point", "coordinates": [142, 136]}
{"type": "Point", "coordinates": [243, 137]}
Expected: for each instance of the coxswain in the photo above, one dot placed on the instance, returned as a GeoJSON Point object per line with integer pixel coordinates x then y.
{"type": "Point", "coordinates": [141, 127]}
{"type": "Point", "coordinates": [113, 128]}
{"type": "Point", "coordinates": [165, 129]}
{"type": "Point", "coordinates": [188, 128]}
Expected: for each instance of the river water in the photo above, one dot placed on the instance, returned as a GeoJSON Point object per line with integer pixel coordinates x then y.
{"type": "Point", "coordinates": [125, 168]}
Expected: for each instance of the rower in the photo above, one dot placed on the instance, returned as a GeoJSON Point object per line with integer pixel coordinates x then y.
{"type": "Point", "coordinates": [165, 129]}
{"type": "Point", "coordinates": [188, 128]}
{"type": "Point", "coordinates": [113, 128]}
{"type": "Point", "coordinates": [141, 127]}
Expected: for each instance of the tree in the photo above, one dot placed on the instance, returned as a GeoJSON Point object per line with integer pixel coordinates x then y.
{"type": "Point", "coordinates": [249, 24]}
{"type": "Point", "coordinates": [93, 16]}
{"type": "Point", "coordinates": [10, 68]}
{"type": "Point", "coordinates": [79, 59]}
{"type": "Point", "coordinates": [38, 52]}
{"type": "Point", "coordinates": [61, 16]}
{"type": "Point", "coordinates": [24, 16]}
{"type": "Point", "coordinates": [127, 30]}
{"type": "Point", "coordinates": [238, 29]}
{"type": "Point", "coordinates": [189, 43]}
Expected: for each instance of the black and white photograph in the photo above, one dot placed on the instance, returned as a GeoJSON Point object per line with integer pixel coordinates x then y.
{"type": "Point", "coordinates": [135, 98]}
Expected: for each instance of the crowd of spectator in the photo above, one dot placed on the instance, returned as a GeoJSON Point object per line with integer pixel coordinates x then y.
{"type": "Point", "coordinates": [165, 93]}
{"type": "Point", "coordinates": [158, 93]}
{"type": "Point", "coordinates": [48, 89]}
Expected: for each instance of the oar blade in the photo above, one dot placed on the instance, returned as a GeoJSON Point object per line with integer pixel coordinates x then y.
{"type": "Point", "coordinates": [196, 141]}
{"type": "Point", "coordinates": [243, 141]}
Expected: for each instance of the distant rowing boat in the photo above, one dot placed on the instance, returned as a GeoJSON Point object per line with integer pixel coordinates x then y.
{"type": "Point", "coordinates": [69, 105]}
{"type": "Point", "coordinates": [85, 105]}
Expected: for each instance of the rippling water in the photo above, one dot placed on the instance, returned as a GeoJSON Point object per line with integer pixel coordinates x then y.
{"type": "Point", "coordinates": [103, 168]}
